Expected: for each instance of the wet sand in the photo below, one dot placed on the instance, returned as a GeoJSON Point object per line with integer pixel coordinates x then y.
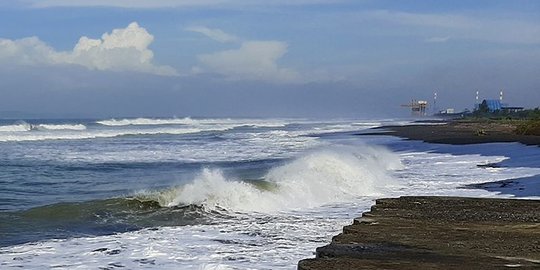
{"type": "Point", "coordinates": [437, 233]}
{"type": "Point", "coordinates": [442, 232]}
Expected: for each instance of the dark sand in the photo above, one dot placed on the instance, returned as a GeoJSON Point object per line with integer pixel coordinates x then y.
{"type": "Point", "coordinates": [442, 232]}
{"type": "Point", "coordinates": [458, 132]}
{"type": "Point", "coordinates": [437, 233]}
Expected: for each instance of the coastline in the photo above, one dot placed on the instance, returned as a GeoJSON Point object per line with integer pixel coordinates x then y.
{"type": "Point", "coordinates": [457, 132]}
{"type": "Point", "coordinates": [464, 132]}
{"type": "Point", "coordinates": [437, 232]}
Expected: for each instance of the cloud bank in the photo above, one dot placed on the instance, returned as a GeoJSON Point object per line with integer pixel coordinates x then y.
{"type": "Point", "coordinates": [172, 3]}
{"type": "Point", "coordinates": [464, 27]}
{"type": "Point", "coordinates": [124, 49]}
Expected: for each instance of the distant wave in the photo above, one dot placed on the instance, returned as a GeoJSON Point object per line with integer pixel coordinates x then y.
{"type": "Point", "coordinates": [31, 136]}
{"type": "Point", "coordinates": [21, 126]}
{"type": "Point", "coordinates": [321, 177]}
{"type": "Point", "coordinates": [190, 121]}
{"type": "Point", "coordinates": [17, 127]}
{"type": "Point", "coordinates": [146, 122]}
{"type": "Point", "coordinates": [60, 127]}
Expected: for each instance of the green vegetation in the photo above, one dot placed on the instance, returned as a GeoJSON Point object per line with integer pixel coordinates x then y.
{"type": "Point", "coordinates": [484, 113]}
{"type": "Point", "coordinates": [529, 127]}
{"type": "Point", "coordinates": [526, 122]}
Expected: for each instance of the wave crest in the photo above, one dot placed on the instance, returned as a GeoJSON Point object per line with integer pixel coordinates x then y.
{"type": "Point", "coordinates": [17, 127]}
{"type": "Point", "coordinates": [31, 136]}
{"type": "Point", "coordinates": [61, 127]}
{"type": "Point", "coordinates": [146, 122]}
{"type": "Point", "coordinates": [318, 178]}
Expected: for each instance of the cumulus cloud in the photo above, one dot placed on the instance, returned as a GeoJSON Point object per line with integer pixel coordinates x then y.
{"type": "Point", "coordinates": [124, 49]}
{"type": "Point", "coordinates": [254, 60]}
{"type": "Point", "coordinates": [26, 51]}
{"type": "Point", "coordinates": [215, 34]}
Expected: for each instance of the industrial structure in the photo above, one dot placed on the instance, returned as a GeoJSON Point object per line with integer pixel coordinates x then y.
{"type": "Point", "coordinates": [494, 105]}
{"type": "Point", "coordinates": [418, 107]}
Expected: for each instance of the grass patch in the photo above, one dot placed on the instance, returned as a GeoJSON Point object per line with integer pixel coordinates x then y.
{"type": "Point", "coordinates": [529, 127]}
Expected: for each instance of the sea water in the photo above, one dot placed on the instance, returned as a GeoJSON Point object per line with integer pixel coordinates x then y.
{"type": "Point", "coordinates": [188, 193]}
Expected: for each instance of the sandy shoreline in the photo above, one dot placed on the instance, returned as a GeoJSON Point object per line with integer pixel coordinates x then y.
{"type": "Point", "coordinates": [458, 132]}
{"type": "Point", "coordinates": [444, 232]}
{"type": "Point", "coordinates": [437, 233]}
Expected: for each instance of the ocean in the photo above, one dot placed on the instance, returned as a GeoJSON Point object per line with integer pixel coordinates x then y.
{"type": "Point", "coordinates": [214, 193]}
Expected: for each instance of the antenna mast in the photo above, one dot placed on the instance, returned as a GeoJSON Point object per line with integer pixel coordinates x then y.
{"type": "Point", "coordinates": [435, 102]}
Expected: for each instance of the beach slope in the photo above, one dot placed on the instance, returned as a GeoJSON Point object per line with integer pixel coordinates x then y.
{"type": "Point", "coordinates": [437, 233]}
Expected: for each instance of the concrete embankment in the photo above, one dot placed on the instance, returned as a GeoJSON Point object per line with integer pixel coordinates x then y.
{"type": "Point", "coordinates": [437, 233]}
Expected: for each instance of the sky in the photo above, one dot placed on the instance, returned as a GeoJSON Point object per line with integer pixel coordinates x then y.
{"type": "Point", "coordinates": [255, 58]}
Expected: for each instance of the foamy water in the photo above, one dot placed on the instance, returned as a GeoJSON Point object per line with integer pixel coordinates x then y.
{"type": "Point", "coordinates": [266, 195]}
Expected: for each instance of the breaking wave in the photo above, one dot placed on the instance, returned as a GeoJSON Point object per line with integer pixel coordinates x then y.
{"type": "Point", "coordinates": [317, 178]}
{"type": "Point", "coordinates": [17, 127]}
{"type": "Point", "coordinates": [61, 127]}
{"type": "Point", "coordinates": [146, 122]}
{"type": "Point", "coordinates": [189, 121]}
{"type": "Point", "coordinates": [31, 136]}
{"type": "Point", "coordinates": [22, 126]}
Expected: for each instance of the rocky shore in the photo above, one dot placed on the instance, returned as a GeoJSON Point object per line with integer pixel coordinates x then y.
{"type": "Point", "coordinates": [437, 233]}
{"type": "Point", "coordinates": [458, 132]}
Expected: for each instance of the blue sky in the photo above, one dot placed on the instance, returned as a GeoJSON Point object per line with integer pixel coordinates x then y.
{"type": "Point", "coordinates": [317, 58]}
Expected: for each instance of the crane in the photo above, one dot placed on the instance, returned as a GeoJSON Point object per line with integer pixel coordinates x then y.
{"type": "Point", "coordinates": [418, 107]}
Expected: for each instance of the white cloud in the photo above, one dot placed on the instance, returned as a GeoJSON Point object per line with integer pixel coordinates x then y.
{"type": "Point", "coordinates": [460, 26]}
{"type": "Point", "coordinates": [438, 39]}
{"type": "Point", "coordinates": [254, 60]}
{"type": "Point", "coordinates": [123, 49]}
{"type": "Point", "coordinates": [215, 34]}
{"type": "Point", "coordinates": [172, 3]}
{"type": "Point", "coordinates": [26, 51]}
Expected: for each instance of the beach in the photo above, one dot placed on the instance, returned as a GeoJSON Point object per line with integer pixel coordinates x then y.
{"type": "Point", "coordinates": [459, 132]}
{"type": "Point", "coordinates": [444, 232]}
{"type": "Point", "coordinates": [437, 233]}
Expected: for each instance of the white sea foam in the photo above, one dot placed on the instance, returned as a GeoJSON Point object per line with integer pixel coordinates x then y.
{"type": "Point", "coordinates": [61, 127]}
{"type": "Point", "coordinates": [146, 122]}
{"type": "Point", "coordinates": [317, 178]}
{"type": "Point", "coordinates": [18, 127]}
{"type": "Point", "coordinates": [241, 242]}
{"type": "Point", "coordinates": [56, 135]}
{"type": "Point", "coordinates": [191, 121]}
